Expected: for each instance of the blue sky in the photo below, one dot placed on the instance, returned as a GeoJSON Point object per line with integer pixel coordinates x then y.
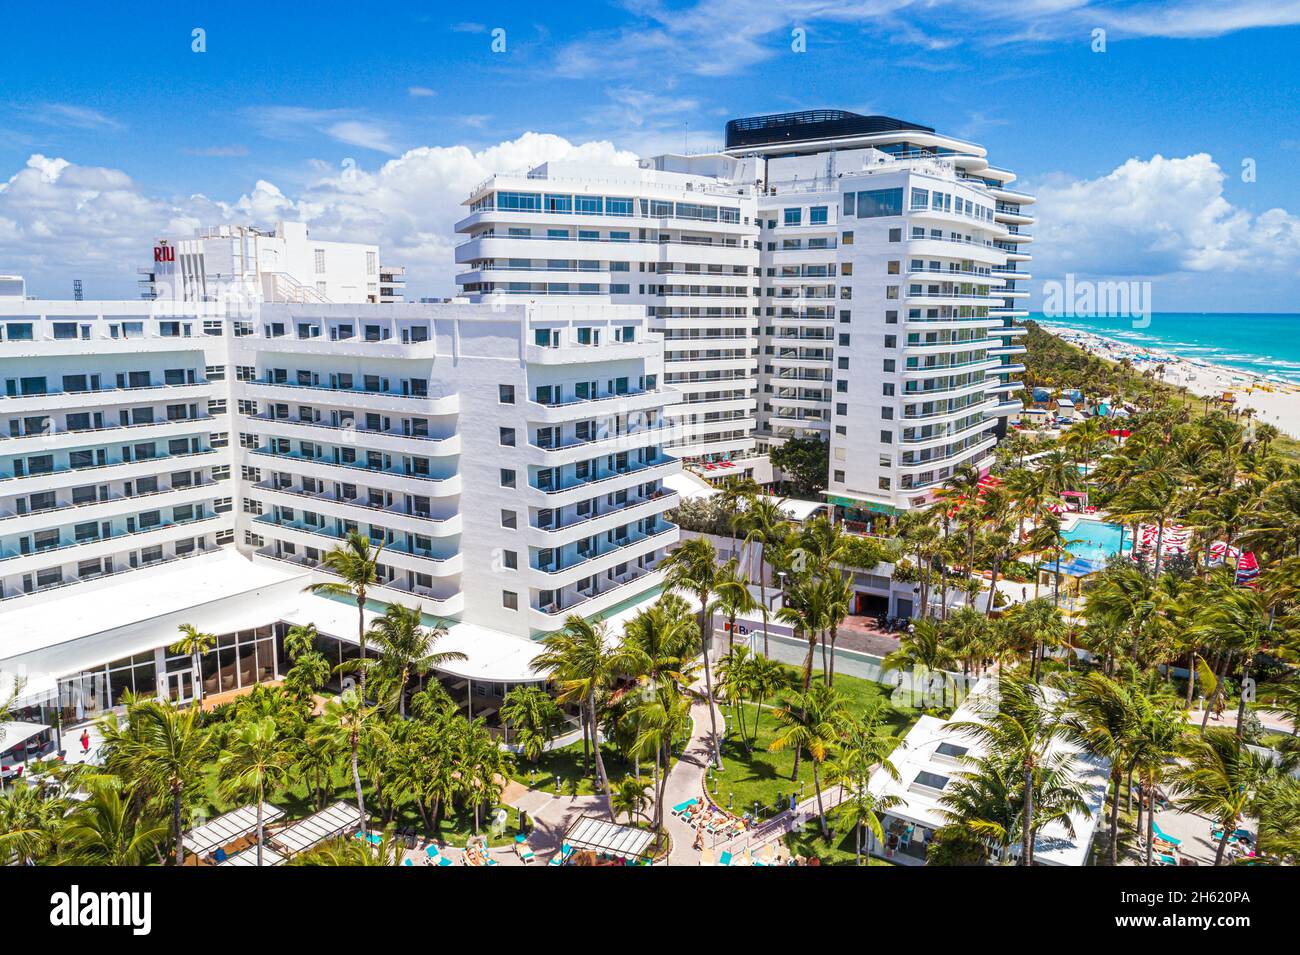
{"type": "Point", "coordinates": [112, 129]}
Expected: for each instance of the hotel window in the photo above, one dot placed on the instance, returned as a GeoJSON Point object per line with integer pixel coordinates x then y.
{"type": "Point", "coordinates": [371, 264]}
{"type": "Point", "coordinates": [509, 519]}
{"type": "Point", "coordinates": [849, 205]}
{"type": "Point", "coordinates": [507, 477]}
{"type": "Point", "coordinates": [506, 394]}
{"type": "Point", "coordinates": [817, 215]}
{"type": "Point", "coordinates": [320, 261]}
{"type": "Point", "coordinates": [509, 600]}
{"type": "Point", "coordinates": [508, 437]}
{"type": "Point", "coordinates": [793, 217]}
{"type": "Point", "coordinates": [920, 199]}
{"type": "Point", "coordinates": [510, 559]}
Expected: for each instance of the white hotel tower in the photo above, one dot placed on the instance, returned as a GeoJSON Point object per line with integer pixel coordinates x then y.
{"type": "Point", "coordinates": [676, 237]}
{"type": "Point", "coordinates": [828, 274]}
{"type": "Point", "coordinates": [168, 461]}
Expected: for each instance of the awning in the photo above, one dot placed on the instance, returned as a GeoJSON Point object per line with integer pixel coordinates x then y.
{"type": "Point", "coordinates": [226, 829]}
{"type": "Point", "coordinates": [16, 733]}
{"type": "Point", "coordinates": [317, 828]}
{"type": "Point", "coordinates": [493, 656]}
{"type": "Point", "coordinates": [249, 857]}
{"type": "Point", "coordinates": [797, 510]}
{"type": "Point", "coordinates": [605, 837]}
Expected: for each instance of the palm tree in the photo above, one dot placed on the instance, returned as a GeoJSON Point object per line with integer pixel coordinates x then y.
{"type": "Point", "coordinates": [579, 660]}
{"type": "Point", "coordinates": [482, 766]}
{"type": "Point", "coordinates": [811, 721]}
{"type": "Point", "coordinates": [254, 761]}
{"type": "Point", "coordinates": [104, 830]}
{"type": "Point", "coordinates": [346, 719]}
{"type": "Point", "coordinates": [352, 852]}
{"type": "Point", "coordinates": [1219, 778]}
{"type": "Point", "coordinates": [162, 749]}
{"type": "Point", "coordinates": [29, 822]}
{"type": "Point", "coordinates": [765, 524]}
{"type": "Point", "coordinates": [693, 567]}
{"type": "Point", "coordinates": [1019, 726]}
{"type": "Point", "coordinates": [407, 646]}
{"type": "Point", "coordinates": [356, 561]}
{"type": "Point", "coordinates": [865, 747]}
{"type": "Point", "coordinates": [732, 597]}
{"type": "Point", "coordinates": [1152, 750]}
{"type": "Point", "coordinates": [631, 797]}
{"type": "Point", "coordinates": [534, 716]}
{"type": "Point", "coordinates": [1105, 718]}
{"type": "Point", "coordinates": [1238, 619]}
{"type": "Point", "coordinates": [661, 716]}
{"type": "Point", "coordinates": [924, 649]}
{"type": "Point", "coordinates": [1037, 624]}
{"type": "Point", "coordinates": [195, 643]}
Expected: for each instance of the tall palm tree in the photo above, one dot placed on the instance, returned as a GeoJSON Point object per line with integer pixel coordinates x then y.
{"type": "Point", "coordinates": [661, 716]}
{"type": "Point", "coordinates": [865, 746]}
{"type": "Point", "coordinates": [1240, 619]}
{"type": "Point", "coordinates": [1019, 725]}
{"type": "Point", "coordinates": [104, 830]}
{"type": "Point", "coordinates": [407, 646]}
{"type": "Point", "coordinates": [356, 561]}
{"type": "Point", "coordinates": [764, 524]}
{"type": "Point", "coordinates": [1152, 750]}
{"type": "Point", "coordinates": [255, 761]}
{"type": "Point", "coordinates": [162, 749]}
{"type": "Point", "coordinates": [1105, 718]}
{"type": "Point", "coordinates": [693, 567]}
{"type": "Point", "coordinates": [811, 721]}
{"type": "Point", "coordinates": [923, 648]}
{"type": "Point", "coordinates": [733, 597]}
{"type": "Point", "coordinates": [579, 660]}
{"type": "Point", "coordinates": [1219, 778]}
{"type": "Point", "coordinates": [346, 720]}
{"type": "Point", "coordinates": [196, 643]}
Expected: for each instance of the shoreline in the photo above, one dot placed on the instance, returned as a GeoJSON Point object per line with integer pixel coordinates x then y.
{"type": "Point", "coordinates": [1274, 402]}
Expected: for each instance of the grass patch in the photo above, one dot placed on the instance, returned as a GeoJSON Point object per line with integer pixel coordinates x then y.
{"type": "Point", "coordinates": [565, 767]}
{"type": "Point", "coordinates": [838, 850]}
{"type": "Point", "coordinates": [764, 777]}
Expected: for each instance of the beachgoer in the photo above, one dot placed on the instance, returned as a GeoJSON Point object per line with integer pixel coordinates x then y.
{"type": "Point", "coordinates": [85, 741]}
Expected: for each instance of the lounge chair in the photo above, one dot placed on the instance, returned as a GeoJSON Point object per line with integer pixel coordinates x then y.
{"type": "Point", "coordinates": [407, 862]}
{"type": "Point", "coordinates": [682, 807]}
{"type": "Point", "coordinates": [562, 856]}
{"type": "Point", "coordinates": [435, 855]}
{"type": "Point", "coordinates": [1155, 828]}
{"type": "Point", "coordinates": [526, 855]}
{"type": "Point", "coordinates": [725, 858]}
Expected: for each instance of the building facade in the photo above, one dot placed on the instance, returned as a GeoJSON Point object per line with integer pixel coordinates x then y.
{"type": "Point", "coordinates": [858, 282]}
{"type": "Point", "coordinates": [238, 266]}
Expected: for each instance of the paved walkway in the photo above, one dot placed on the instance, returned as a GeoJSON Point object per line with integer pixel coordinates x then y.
{"type": "Point", "coordinates": [686, 781]}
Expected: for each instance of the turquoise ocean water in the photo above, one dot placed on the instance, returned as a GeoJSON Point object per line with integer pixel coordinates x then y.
{"type": "Point", "coordinates": [1258, 343]}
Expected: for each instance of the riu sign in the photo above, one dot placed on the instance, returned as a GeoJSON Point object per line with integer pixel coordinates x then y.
{"type": "Point", "coordinates": [164, 253]}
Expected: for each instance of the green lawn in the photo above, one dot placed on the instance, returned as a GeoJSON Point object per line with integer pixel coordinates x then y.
{"type": "Point", "coordinates": [566, 764]}
{"type": "Point", "coordinates": [838, 850]}
{"type": "Point", "coordinates": [764, 777]}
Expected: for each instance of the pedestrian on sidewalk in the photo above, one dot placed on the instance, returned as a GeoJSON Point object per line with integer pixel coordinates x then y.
{"type": "Point", "coordinates": [85, 742]}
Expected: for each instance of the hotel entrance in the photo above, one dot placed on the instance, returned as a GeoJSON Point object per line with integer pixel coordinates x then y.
{"type": "Point", "coordinates": [180, 686]}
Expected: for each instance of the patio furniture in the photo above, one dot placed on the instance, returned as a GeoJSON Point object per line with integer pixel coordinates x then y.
{"type": "Point", "coordinates": [725, 858]}
{"type": "Point", "coordinates": [1155, 827]}
{"type": "Point", "coordinates": [682, 807]}
{"type": "Point", "coordinates": [563, 856]}
{"type": "Point", "coordinates": [435, 856]}
{"type": "Point", "coordinates": [526, 854]}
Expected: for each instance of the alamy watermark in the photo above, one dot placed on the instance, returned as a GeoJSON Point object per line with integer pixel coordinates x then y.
{"type": "Point", "coordinates": [1084, 298]}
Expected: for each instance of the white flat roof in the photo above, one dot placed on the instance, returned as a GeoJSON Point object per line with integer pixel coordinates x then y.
{"type": "Point", "coordinates": [795, 509]}
{"type": "Point", "coordinates": [248, 857]}
{"type": "Point", "coordinates": [689, 485]}
{"type": "Point", "coordinates": [494, 656]}
{"type": "Point", "coordinates": [89, 628]}
{"type": "Point", "coordinates": [922, 769]}
{"type": "Point", "coordinates": [600, 836]}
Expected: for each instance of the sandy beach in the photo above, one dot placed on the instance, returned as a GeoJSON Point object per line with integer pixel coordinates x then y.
{"type": "Point", "coordinates": [1275, 402]}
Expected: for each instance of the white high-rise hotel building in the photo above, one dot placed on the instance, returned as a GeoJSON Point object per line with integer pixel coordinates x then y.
{"type": "Point", "coordinates": [189, 457]}
{"type": "Point", "coordinates": [849, 277]}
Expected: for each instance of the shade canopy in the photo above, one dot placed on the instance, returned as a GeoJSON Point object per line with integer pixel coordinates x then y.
{"type": "Point", "coordinates": [16, 733]}
{"type": "Point", "coordinates": [605, 837]}
{"type": "Point", "coordinates": [226, 829]}
{"type": "Point", "coordinates": [317, 828]}
{"type": "Point", "coordinates": [248, 857]}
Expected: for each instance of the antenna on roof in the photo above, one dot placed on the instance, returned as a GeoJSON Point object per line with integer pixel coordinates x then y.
{"type": "Point", "coordinates": [686, 139]}
{"type": "Point", "coordinates": [76, 290]}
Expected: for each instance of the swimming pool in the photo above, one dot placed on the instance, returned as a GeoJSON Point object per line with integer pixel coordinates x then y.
{"type": "Point", "coordinates": [1095, 542]}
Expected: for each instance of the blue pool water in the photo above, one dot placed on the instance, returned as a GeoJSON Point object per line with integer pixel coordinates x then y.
{"type": "Point", "coordinates": [1095, 543]}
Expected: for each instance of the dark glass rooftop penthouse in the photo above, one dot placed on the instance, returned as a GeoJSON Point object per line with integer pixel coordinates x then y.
{"type": "Point", "coordinates": [808, 125]}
